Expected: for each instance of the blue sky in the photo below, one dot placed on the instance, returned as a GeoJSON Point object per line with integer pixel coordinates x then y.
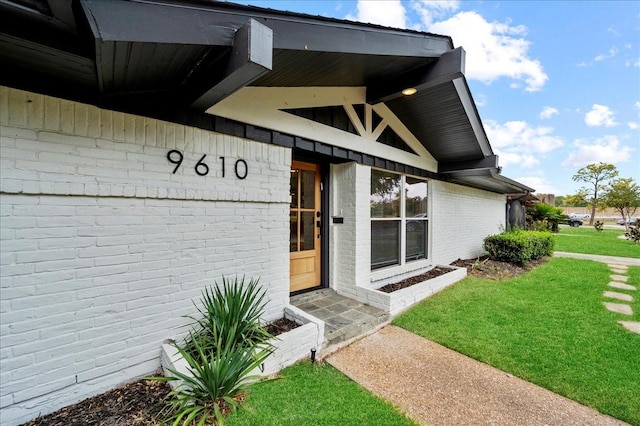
{"type": "Point", "coordinates": [557, 83]}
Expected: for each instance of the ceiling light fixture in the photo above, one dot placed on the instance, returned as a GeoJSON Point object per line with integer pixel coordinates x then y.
{"type": "Point", "coordinates": [409, 91]}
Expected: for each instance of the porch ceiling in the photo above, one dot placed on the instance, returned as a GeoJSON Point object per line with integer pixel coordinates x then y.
{"type": "Point", "coordinates": [177, 55]}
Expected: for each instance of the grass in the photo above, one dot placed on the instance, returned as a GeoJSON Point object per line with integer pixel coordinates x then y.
{"type": "Point", "coordinates": [587, 240]}
{"type": "Point", "coordinates": [548, 327]}
{"type": "Point", "coordinates": [314, 395]}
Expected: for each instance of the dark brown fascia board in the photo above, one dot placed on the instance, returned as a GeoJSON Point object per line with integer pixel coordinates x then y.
{"type": "Point", "coordinates": [448, 67]}
{"type": "Point", "coordinates": [251, 57]}
{"type": "Point", "coordinates": [215, 24]}
{"type": "Point", "coordinates": [470, 166]}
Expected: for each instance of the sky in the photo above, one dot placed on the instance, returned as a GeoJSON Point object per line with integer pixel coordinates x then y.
{"type": "Point", "coordinates": [556, 83]}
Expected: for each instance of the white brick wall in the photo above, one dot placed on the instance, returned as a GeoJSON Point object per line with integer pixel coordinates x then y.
{"type": "Point", "coordinates": [460, 219]}
{"type": "Point", "coordinates": [103, 248]}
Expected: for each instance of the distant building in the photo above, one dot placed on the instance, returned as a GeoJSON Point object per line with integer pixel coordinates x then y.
{"type": "Point", "coordinates": [547, 199]}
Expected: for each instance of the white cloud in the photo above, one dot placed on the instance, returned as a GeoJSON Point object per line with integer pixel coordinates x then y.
{"type": "Point", "coordinates": [390, 13]}
{"type": "Point", "coordinates": [429, 10]}
{"type": "Point", "coordinates": [540, 184]}
{"type": "Point", "coordinates": [607, 149]}
{"type": "Point", "coordinates": [494, 49]}
{"type": "Point", "coordinates": [600, 115]}
{"type": "Point", "coordinates": [610, 54]}
{"type": "Point", "coordinates": [519, 135]}
{"type": "Point", "coordinates": [548, 112]}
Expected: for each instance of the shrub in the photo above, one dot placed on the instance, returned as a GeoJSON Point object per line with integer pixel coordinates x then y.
{"type": "Point", "coordinates": [518, 246]}
{"type": "Point", "coordinates": [599, 226]}
{"type": "Point", "coordinates": [542, 216]}
{"type": "Point", "coordinates": [633, 233]}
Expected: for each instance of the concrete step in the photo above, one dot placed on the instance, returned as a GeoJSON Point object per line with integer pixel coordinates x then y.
{"type": "Point", "coordinates": [344, 318]}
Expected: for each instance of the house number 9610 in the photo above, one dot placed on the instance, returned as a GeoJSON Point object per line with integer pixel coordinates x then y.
{"type": "Point", "coordinates": [202, 169]}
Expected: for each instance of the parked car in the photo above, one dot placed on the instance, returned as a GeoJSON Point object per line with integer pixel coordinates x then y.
{"type": "Point", "coordinates": [574, 222]}
{"type": "Point", "coordinates": [579, 216]}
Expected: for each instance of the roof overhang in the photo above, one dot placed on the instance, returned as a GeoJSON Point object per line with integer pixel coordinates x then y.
{"type": "Point", "coordinates": [159, 56]}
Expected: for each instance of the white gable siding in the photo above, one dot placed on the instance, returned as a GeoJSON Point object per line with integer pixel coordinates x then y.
{"type": "Point", "coordinates": [103, 248]}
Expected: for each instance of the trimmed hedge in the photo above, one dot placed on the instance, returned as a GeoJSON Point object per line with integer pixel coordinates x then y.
{"type": "Point", "coordinates": [518, 246]}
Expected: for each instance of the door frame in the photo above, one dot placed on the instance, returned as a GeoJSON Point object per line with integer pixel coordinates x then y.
{"type": "Point", "coordinates": [324, 219]}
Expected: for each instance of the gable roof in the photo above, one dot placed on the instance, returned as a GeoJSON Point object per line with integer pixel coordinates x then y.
{"type": "Point", "coordinates": [145, 56]}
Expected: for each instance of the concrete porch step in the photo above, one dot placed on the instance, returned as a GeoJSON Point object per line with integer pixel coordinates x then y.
{"type": "Point", "coordinates": [344, 318]}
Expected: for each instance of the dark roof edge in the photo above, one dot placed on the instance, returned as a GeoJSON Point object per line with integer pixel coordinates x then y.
{"type": "Point", "coordinates": [294, 16]}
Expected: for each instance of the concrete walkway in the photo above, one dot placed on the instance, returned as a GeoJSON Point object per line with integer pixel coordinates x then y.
{"type": "Point", "coordinates": [629, 261]}
{"type": "Point", "coordinates": [437, 386]}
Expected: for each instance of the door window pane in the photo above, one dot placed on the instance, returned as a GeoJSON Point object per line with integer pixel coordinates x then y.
{"type": "Point", "coordinates": [293, 234]}
{"type": "Point", "coordinates": [307, 231]}
{"type": "Point", "coordinates": [307, 189]}
{"type": "Point", "coordinates": [385, 243]}
{"type": "Point", "coordinates": [416, 235]}
{"type": "Point", "coordinates": [293, 185]}
{"type": "Point", "coordinates": [385, 194]}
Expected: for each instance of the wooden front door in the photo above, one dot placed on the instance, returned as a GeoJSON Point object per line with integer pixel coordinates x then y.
{"type": "Point", "coordinates": [304, 220]}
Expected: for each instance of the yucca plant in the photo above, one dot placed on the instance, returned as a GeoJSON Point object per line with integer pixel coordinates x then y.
{"type": "Point", "coordinates": [230, 313]}
{"type": "Point", "coordinates": [216, 378]}
{"type": "Point", "coordinates": [226, 343]}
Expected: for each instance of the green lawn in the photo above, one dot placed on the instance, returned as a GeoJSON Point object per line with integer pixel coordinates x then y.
{"type": "Point", "coordinates": [587, 240]}
{"type": "Point", "coordinates": [548, 327]}
{"type": "Point", "coordinates": [314, 395]}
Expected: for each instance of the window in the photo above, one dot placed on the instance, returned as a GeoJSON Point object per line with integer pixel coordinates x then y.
{"type": "Point", "coordinates": [399, 220]}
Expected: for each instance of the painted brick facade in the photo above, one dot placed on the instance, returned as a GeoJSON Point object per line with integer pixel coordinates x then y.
{"type": "Point", "coordinates": [104, 248]}
{"type": "Point", "coordinates": [460, 219]}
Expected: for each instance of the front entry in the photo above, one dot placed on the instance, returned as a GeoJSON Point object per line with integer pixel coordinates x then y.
{"type": "Point", "coordinates": [305, 222]}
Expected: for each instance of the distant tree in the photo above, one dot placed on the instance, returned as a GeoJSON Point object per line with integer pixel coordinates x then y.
{"type": "Point", "coordinates": [560, 201]}
{"type": "Point", "coordinates": [578, 199]}
{"type": "Point", "coordinates": [597, 175]}
{"type": "Point", "coordinates": [623, 195]}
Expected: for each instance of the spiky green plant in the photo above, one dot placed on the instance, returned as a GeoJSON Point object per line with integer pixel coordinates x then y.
{"type": "Point", "coordinates": [215, 378]}
{"type": "Point", "coordinates": [231, 312]}
{"type": "Point", "coordinates": [226, 343]}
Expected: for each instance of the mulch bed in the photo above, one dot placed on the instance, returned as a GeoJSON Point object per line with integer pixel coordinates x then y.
{"type": "Point", "coordinates": [140, 403]}
{"type": "Point", "coordinates": [134, 404]}
{"type": "Point", "coordinates": [484, 267]}
{"type": "Point", "coordinates": [408, 282]}
{"type": "Point", "coordinates": [280, 326]}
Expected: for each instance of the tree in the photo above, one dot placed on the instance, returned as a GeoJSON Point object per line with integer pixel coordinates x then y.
{"type": "Point", "coordinates": [597, 175]}
{"type": "Point", "coordinates": [578, 199]}
{"type": "Point", "coordinates": [560, 201]}
{"type": "Point", "coordinates": [623, 195]}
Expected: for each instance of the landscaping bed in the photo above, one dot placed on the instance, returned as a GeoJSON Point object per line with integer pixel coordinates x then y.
{"type": "Point", "coordinates": [139, 403]}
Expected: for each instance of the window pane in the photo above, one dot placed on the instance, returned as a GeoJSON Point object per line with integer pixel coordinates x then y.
{"type": "Point", "coordinates": [307, 231]}
{"type": "Point", "coordinates": [385, 243]}
{"type": "Point", "coordinates": [308, 189]}
{"type": "Point", "coordinates": [416, 239]}
{"type": "Point", "coordinates": [293, 184]}
{"type": "Point", "coordinates": [385, 194]}
{"type": "Point", "coordinates": [416, 197]}
{"type": "Point", "coordinates": [293, 231]}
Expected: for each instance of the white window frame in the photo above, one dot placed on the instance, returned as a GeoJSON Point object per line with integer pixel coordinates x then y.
{"type": "Point", "coordinates": [405, 266]}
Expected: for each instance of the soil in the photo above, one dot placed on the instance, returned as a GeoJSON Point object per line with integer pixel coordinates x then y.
{"type": "Point", "coordinates": [280, 326]}
{"type": "Point", "coordinates": [140, 403]}
{"type": "Point", "coordinates": [483, 267]}
{"type": "Point", "coordinates": [408, 282]}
